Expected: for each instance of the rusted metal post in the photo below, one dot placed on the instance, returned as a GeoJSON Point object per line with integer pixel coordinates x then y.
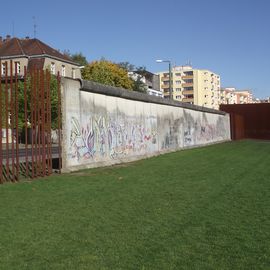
{"type": "Point", "coordinates": [43, 124]}
{"type": "Point", "coordinates": [49, 123]}
{"type": "Point", "coordinates": [17, 122]}
{"type": "Point", "coordinates": [1, 115]}
{"type": "Point", "coordinates": [12, 118]}
{"type": "Point", "coordinates": [38, 90]}
{"type": "Point", "coordinates": [35, 121]}
{"type": "Point", "coordinates": [32, 124]}
{"type": "Point", "coordinates": [26, 121]}
{"type": "Point", "coordinates": [59, 118]}
{"type": "Point", "coordinates": [7, 124]}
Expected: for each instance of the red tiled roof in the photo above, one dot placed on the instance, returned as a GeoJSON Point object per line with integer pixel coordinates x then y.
{"type": "Point", "coordinates": [30, 47]}
{"type": "Point", "coordinates": [11, 48]}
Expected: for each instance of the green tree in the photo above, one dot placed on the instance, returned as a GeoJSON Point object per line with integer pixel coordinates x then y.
{"type": "Point", "coordinates": [137, 75]}
{"type": "Point", "coordinates": [138, 84]}
{"type": "Point", "coordinates": [127, 66]}
{"type": "Point", "coordinates": [79, 58]}
{"type": "Point", "coordinates": [107, 73]}
{"type": "Point", "coordinates": [30, 95]}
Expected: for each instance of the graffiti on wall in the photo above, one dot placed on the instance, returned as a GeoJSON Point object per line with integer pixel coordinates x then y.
{"type": "Point", "coordinates": [199, 130]}
{"type": "Point", "coordinates": [111, 136]}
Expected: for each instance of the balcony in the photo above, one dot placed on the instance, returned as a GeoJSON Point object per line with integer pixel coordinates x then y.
{"type": "Point", "coordinates": [188, 92]}
{"type": "Point", "coordinates": [188, 100]}
{"type": "Point", "coordinates": [187, 84]}
{"type": "Point", "coordinates": [188, 73]}
{"type": "Point", "coordinates": [165, 86]}
{"type": "Point", "coordinates": [187, 77]}
{"type": "Point", "coordinates": [164, 79]}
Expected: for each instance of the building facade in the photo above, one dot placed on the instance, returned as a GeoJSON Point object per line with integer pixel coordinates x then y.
{"type": "Point", "coordinates": [33, 53]}
{"type": "Point", "coordinates": [195, 86]}
{"type": "Point", "coordinates": [150, 80]}
{"type": "Point", "coordinates": [230, 95]}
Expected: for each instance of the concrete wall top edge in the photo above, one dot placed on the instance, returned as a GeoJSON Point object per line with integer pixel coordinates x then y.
{"type": "Point", "coordinates": [93, 87]}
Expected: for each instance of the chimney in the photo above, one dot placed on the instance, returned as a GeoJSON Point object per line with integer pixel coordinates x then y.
{"type": "Point", "coordinates": [1, 40]}
{"type": "Point", "coordinates": [27, 37]}
{"type": "Point", "coordinates": [8, 37]}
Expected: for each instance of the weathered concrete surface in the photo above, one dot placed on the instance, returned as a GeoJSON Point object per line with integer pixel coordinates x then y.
{"type": "Point", "coordinates": [104, 126]}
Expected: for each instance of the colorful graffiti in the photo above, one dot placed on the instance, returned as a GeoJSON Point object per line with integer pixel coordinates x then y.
{"type": "Point", "coordinates": [103, 136]}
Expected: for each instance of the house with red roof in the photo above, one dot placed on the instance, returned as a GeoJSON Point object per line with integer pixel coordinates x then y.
{"type": "Point", "coordinates": [33, 53]}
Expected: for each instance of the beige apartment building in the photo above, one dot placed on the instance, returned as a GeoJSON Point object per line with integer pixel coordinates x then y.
{"type": "Point", "coordinates": [195, 86]}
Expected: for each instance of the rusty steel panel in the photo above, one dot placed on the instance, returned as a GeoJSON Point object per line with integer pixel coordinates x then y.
{"type": "Point", "coordinates": [249, 121]}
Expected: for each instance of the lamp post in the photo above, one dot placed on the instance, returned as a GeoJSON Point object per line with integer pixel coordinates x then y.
{"type": "Point", "coordinates": [170, 76]}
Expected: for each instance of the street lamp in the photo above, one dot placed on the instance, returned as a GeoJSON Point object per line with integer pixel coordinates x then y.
{"type": "Point", "coordinates": [170, 75]}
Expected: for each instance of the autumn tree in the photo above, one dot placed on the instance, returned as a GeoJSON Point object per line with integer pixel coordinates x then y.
{"type": "Point", "coordinates": [107, 73]}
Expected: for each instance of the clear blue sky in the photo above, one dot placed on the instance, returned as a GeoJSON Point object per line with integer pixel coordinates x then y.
{"type": "Point", "coordinates": [229, 37]}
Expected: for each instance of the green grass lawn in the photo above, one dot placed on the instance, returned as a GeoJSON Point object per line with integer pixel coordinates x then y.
{"type": "Point", "coordinates": [204, 208]}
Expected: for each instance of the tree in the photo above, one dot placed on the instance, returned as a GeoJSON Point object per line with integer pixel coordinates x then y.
{"type": "Point", "coordinates": [79, 58]}
{"type": "Point", "coordinates": [137, 76]}
{"type": "Point", "coordinates": [29, 93]}
{"type": "Point", "coordinates": [127, 66]}
{"type": "Point", "coordinates": [107, 73]}
{"type": "Point", "coordinates": [138, 84]}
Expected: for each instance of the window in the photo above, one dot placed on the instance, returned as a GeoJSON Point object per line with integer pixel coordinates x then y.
{"type": "Point", "coordinates": [188, 88]}
{"type": "Point", "coordinates": [53, 68]}
{"type": "Point", "coordinates": [63, 71]}
{"type": "Point", "coordinates": [178, 89]}
{"type": "Point", "coordinates": [178, 82]}
{"type": "Point", "coordinates": [18, 67]}
{"type": "Point", "coordinates": [3, 69]}
{"type": "Point", "coordinates": [177, 74]}
{"type": "Point", "coordinates": [73, 73]}
{"type": "Point", "coordinates": [188, 73]}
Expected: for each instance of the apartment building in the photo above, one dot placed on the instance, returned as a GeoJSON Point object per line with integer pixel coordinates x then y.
{"type": "Point", "coordinates": [230, 95]}
{"type": "Point", "coordinates": [227, 95]}
{"type": "Point", "coordinates": [195, 86]}
{"type": "Point", "coordinates": [243, 97]}
{"type": "Point", "coordinates": [150, 80]}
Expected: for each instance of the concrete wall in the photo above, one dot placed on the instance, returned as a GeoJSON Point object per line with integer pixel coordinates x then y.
{"type": "Point", "coordinates": [105, 125]}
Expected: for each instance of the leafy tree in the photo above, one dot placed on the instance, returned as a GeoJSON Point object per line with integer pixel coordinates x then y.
{"type": "Point", "coordinates": [137, 75]}
{"type": "Point", "coordinates": [76, 57]}
{"type": "Point", "coordinates": [127, 66]}
{"type": "Point", "coordinates": [138, 84]}
{"type": "Point", "coordinates": [29, 95]}
{"type": "Point", "coordinates": [79, 58]}
{"type": "Point", "coordinates": [107, 73]}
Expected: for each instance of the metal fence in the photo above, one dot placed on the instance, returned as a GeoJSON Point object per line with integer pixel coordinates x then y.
{"type": "Point", "coordinates": [30, 112]}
